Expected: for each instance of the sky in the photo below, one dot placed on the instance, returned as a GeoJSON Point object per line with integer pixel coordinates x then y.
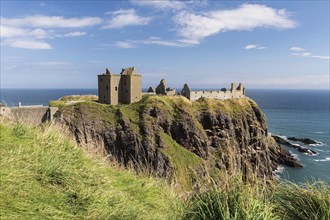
{"type": "Point", "coordinates": [206, 44]}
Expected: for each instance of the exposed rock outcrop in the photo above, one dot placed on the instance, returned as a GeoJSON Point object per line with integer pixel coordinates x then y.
{"type": "Point", "coordinates": [307, 141]}
{"type": "Point", "coordinates": [282, 141]}
{"type": "Point", "coordinates": [172, 135]}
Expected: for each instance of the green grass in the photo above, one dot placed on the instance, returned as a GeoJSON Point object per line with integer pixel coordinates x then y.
{"type": "Point", "coordinates": [184, 162]}
{"type": "Point", "coordinates": [310, 201]}
{"type": "Point", "coordinates": [234, 200]}
{"type": "Point", "coordinates": [44, 175]}
{"type": "Point", "coordinates": [72, 99]}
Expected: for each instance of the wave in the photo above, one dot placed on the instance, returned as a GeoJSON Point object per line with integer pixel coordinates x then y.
{"type": "Point", "coordinates": [322, 160]}
{"type": "Point", "coordinates": [295, 156]}
{"type": "Point", "coordinates": [318, 132]}
{"type": "Point", "coordinates": [279, 169]}
{"type": "Point", "coordinates": [319, 143]}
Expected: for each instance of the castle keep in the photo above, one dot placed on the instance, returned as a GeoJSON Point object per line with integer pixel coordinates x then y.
{"type": "Point", "coordinates": [123, 88]}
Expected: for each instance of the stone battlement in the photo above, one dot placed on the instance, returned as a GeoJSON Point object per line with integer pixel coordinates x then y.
{"type": "Point", "coordinates": [222, 94]}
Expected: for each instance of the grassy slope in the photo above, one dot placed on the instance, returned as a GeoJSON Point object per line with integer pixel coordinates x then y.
{"type": "Point", "coordinates": [45, 175]}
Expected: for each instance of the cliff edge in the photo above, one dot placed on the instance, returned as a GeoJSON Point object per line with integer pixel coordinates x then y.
{"type": "Point", "coordinates": [175, 137]}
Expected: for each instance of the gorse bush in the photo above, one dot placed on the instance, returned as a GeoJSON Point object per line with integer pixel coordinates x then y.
{"type": "Point", "coordinates": [310, 201]}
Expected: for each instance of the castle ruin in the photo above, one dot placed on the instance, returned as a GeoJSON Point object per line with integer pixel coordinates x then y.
{"type": "Point", "coordinates": [126, 88]}
{"type": "Point", "coordinates": [161, 89]}
{"type": "Point", "coordinates": [222, 94]}
{"type": "Point", "coordinates": [123, 88]}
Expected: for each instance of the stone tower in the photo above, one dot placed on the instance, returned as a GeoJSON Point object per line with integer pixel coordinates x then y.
{"type": "Point", "coordinates": [123, 88]}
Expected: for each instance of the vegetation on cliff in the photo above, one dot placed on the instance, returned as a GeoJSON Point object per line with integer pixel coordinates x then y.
{"type": "Point", "coordinates": [46, 175]}
{"type": "Point", "coordinates": [173, 137]}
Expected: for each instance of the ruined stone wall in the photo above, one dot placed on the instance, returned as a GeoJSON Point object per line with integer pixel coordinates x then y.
{"type": "Point", "coordinates": [136, 88]}
{"type": "Point", "coordinates": [171, 92]}
{"type": "Point", "coordinates": [194, 95]}
{"type": "Point", "coordinates": [115, 89]}
{"type": "Point", "coordinates": [103, 89]}
{"type": "Point", "coordinates": [222, 95]}
{"type": "Point", "coordinates": [125, 89]}
{"type": "Point", "coordinates": [29, 115]}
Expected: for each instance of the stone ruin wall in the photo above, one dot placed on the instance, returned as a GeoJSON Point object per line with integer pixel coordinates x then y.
{"type": "Point", "coordinates": [223, 94]}
{"type": "Point", "coordinates": [29, 115]}
{"type": "Point", "coordinates": [194, 95]}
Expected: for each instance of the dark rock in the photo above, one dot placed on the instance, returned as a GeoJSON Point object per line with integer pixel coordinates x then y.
{"type": "Point", "coordinates": [280, 140]}
{"type": "Point", "coordinates": [303, 140]}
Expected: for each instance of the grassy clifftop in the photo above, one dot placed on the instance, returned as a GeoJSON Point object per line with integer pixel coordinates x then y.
{"type": "Point", "coordinates": [44, 175]}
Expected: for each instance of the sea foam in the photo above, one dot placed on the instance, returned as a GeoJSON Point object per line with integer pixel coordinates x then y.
{"type": "Point", "coordinates": [323, 160]}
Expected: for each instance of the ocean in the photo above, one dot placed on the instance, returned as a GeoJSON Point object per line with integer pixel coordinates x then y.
{"type": "Point", "coordinates": [297, 113]}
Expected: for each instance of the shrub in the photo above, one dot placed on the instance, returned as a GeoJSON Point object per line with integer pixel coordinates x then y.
{"type": "Point", "coordinates": [310, 201]}
{"type": "Point", "coordinates": [238, 200]}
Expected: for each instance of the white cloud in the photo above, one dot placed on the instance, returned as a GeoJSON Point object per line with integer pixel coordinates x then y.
{"type": "Point", "coordinates": [26, 32]}
{"type": "Point", "coordinates": [122, 18]}
{"type": "Point", "coordinates": [246, 17]}
{"type": "Point", "coordinates": [150, 41]}
{"type": "Point", "coordinates": [42, 21]}
{"type": "Point", "coordinates": [50, 63]}
{"type": "Point", "coordinates": [304, 54]}
{"type": "Point", "coordinates": [322, 57]}
{"type": "Point", "coordinates": [125, 44]}
{"type": "Point", "coordinates": [308, 54]}
{"type": "Point", "coordinates": [10, 32]}
{"type": "Point", "coordinates": [26, 44]}
{"type": "Point", "coordinates": [97, 61]}
{"type": "Point", "coordinates": [250, 46]}
{"type": "Point", "coordinates": [297, 49]}
{"type": "Point", "coordinates": [254, 46]}
{"type": "Point", "coordinates": [159, 41]}
{"type": "Point", "coordinates": [74, 34]}
{"type": "Point", "coordinates": [161, 4]}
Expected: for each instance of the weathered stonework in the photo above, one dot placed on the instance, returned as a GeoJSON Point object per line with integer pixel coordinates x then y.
{"type": "Point", "coordinates": [222, 94]}
{"type": "Point", "coordinates": [162, 90]}
{"type": "Point", "coordinates": [33, 115]}
{"type": "Point", "coordinates": [123, 88]}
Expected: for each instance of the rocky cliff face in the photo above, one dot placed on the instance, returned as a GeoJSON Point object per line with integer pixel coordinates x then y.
{"type": "Point", "coordinates": [171, 135]}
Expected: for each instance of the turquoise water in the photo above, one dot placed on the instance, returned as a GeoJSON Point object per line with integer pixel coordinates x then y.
{"type": "Point", "coordinates": [298, 113]}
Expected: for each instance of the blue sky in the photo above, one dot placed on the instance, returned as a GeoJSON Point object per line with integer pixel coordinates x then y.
{"type": "Point", "coordinates": [207, 44]}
